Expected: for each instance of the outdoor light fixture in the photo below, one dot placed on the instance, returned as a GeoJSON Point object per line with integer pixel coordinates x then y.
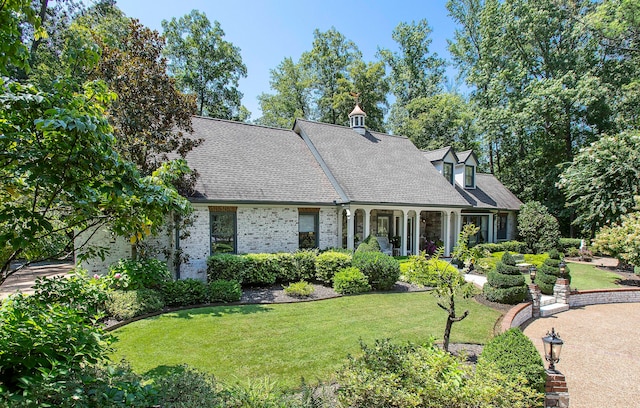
{"type": "Point", "coordinates": [563, 268]}
{"type": "Point", "coordinates": [532, 272]}
{"type": "Point", "coordinates": [552, 347]}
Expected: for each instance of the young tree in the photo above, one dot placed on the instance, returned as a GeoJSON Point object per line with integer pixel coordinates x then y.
{"type": "Point", "coordinates": [447, 282]}
{"type": "Point", "coordinates": [206, 65]}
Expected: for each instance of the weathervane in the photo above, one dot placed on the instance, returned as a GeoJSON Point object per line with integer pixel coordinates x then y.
{"type": "Point", "coordinates": [356, 96]}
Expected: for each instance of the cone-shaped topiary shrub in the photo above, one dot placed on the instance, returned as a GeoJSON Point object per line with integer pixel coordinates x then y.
{"type": "Point", "coordinates": [549, 272]}
{"type": "Point", "coordinates": [505, 284]}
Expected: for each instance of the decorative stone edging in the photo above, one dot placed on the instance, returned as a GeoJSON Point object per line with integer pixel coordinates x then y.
{"type": "Point", "coordinates": [521, 313]}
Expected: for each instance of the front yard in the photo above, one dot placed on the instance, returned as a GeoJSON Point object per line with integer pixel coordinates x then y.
{"type": "Point", "coordinates": [286, 342]}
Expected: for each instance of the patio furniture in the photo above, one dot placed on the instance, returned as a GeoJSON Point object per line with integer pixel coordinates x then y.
{"type": "Point", "coordinates": [385, 245]}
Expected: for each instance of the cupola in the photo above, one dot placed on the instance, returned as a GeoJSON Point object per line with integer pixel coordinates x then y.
{"type": "Point", "coordinates": [356, 120]}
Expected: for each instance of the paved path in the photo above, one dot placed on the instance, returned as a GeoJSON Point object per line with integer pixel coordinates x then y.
{"type": "Point", "coordinates": [601, 353]}
{"type": "Point", "coordinates": [23, 280]}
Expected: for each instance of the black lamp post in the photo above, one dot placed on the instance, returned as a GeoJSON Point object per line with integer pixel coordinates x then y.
{"type": "Point", "coordinates": [552, 347]}
{"type": "Point", "coordinates": [532, 273]}
{"type": "Point", "coordinates": [563, 268]}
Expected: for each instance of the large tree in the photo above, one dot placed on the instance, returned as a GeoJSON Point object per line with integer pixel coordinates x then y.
{"type": "Point", "coordinates": [205, 65]}
{"type": "Point", "coordinates": [534, 68]}
{"type": "Point", "coordinates": [415, 71]}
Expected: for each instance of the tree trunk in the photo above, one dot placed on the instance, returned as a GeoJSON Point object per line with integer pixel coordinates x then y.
{"type": "Point", "coordinates": [447, 332]}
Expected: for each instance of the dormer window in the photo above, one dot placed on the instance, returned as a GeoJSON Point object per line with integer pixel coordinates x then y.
{"type": "Point", "coordinates": [469, 176]}
{"type": "Point", "coordinates": [447, 171]}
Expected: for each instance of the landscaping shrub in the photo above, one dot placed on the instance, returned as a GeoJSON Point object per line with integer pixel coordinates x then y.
{"type": "Point", "coordinates": [76, 291]}
{"type": "Point", "coordinates": [261, 269]}
{"type": "Point", "coordinates": [389, 375]}
{"type": "Point", "coordinates": [329, 263]}
{"type": "Point", "coordinates": [382, 270]}
{"type": "Point", "coordinates": [305, 261]}
{"type": "Point", "coordinates": [42, 344]}
{"type": "Point", "coordinates": [351, 281]}
{"type": "Point", "coordinates": [567, 244]}
{"type": "Point", "coordinates": [370, 244]}
{"type": "Point", "coordinates": [286, 267]}
{"type": "Point", "coordinates": [538, 228]}
{"type": "Point", "coordinates": [512, 353]}
{"type": "Point", "coordinates": [422, 270]}
{"type": "Point", "coordinates": [505, 284]}
{"type": "Point", "coordinates": [224, 291]}
{"type": "Point", "coordinates": [299, 289]}
{"type": "Point", "coordinates": [186, 387]}
{"type": "Point", "coordinates": [549, 272]}
{"type": "Point", "coordinates": [184, 292]}
{"type": "Point", "coordinates": [510, 246]}
{"type": "Point", "coordinates": [125, 305]}
{"type": "Point", "coordinates": [127, 274]}
{"type": "Point", "coordinates": [226, 267]}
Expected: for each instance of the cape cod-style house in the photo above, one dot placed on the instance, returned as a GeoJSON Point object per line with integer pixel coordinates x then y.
{"type": "Point", "coordinates": [263, 189]}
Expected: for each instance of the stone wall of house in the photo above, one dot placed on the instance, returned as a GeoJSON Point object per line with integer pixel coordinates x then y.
{"type": "Point", "coordinates": [267, 229]}
{"type": "Point", "coordinates": [512, 226]}
{"type": "Point", "coordinates": [328, 228]}
{"type": "Point", "coordinates": [196, 245]}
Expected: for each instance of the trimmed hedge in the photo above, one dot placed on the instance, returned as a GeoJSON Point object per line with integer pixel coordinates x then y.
{"type": "Point", "coordinates": [224, 291]}
{"type": "Point", "coordinates": [226, 267]}
{"type": "Point", "coordinates": [568, 243]}
{"type": "Point", "coordinates": [382, 270]}
{"type": "Point", "coordinates": [305, 263]}
{"type": "Point", "coordinates": [125, 305]}
{"type": "Point", "coordinates": [510, 246]}
{"type": "Point", "coordinates": [184, 292]}
{"type": "Point", "coordinates": [505, 284]}
{"type": "Point", "coordinates": [330, 263]}
{"type": "Point", "coordinates": [515, 355]}
{"type": "Point", "coordinates": [351, 281]}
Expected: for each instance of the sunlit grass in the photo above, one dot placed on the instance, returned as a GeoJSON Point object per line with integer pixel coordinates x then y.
{"type": "Point", "coordinates": [286, 342]}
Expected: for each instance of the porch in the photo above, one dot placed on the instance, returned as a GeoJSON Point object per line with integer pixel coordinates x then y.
{"type": "Point", "coordinates": [411, 230]}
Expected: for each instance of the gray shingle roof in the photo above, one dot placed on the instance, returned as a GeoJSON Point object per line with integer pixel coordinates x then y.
{"type": "Point", "coordinates": [379, 168]}
{"type": "Point", "coordinates": [436, 155]}
{"type": "Point", "coordinates": [238, 162]}
{"type": "Point", "coordinates": [490, 193]}
{"type": "Point", "coordinates": [463, 156]}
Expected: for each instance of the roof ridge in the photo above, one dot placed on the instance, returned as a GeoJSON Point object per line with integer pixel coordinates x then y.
{"type": "Point", "coordinates": [235, 122]}
{"type": "Point", "coordinates": [315, 122]}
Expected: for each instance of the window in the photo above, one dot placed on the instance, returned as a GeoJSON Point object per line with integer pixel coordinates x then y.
{"type": "Point", "coordinates": [222, 223]}
{"type": "Point", "coordinates": [307, 229]}
{"type": "Point", "coordinates": [481, 221]}
{"type": "Point", "coordinates": [447, 172]}
{"type": "Point", "coordinates": [501, 226]}
{"type": "Point", "coordinates": [469, 176]}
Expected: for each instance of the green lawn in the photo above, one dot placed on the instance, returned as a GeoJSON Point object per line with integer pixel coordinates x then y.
{"type": "Point", "coordinates": [584, 277]}
{"type": "Point", "coordinates": [288, 341]}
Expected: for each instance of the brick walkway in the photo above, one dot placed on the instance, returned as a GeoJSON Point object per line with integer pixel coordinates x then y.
{"type": "Point", "coordinates": [601, 353]}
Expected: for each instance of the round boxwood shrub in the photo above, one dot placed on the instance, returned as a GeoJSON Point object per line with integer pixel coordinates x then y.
{"type": "Point", "coordinates": [261, 269]}
{"type": "Point", "coordinates": [305, 262]}
{"type": "Point", "coordinates": [226, 267]}
{"type": "Point", "coordinates": [224, 291]}
{"type": "Point", "coordinates": [300, 289]}
{"type": "Point", "coordinates": [505, 284]}
{"type": "Point", "coordinates": [329, 263]}
{"type": "Point", "coordinates": [382, 270]}
{"type": "Point", "coordinates": [515, 355]}
{"type": "Point", "coordinates": [351, 281]}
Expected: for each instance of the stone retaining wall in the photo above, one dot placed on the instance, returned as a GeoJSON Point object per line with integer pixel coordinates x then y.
{"type": "Point", "coordinates": [517, 316]}
{"type": "Point", "coordinates": [604, 296]}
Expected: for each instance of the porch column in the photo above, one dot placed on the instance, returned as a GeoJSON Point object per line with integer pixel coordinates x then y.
{"type": "Point", "coordinates": [457, 226]}
{"type": "Point", "coordinates": [405, 228]}
{"type": "Point", "coordinates": [340, 218]}
{"type": "Point", "coordinates": [350, 228]}
{"type": "Point", "coordinates": [491, 229]}
{"type": "Point", "coordinates": [416, 233]}
{"type": "Point", "coordinates": [366, 228]}
{"type": "Point", "coordinates": [446, 223]}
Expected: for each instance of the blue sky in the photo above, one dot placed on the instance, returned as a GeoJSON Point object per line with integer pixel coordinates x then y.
{"type": "Point", "coordinates": [269, 31]}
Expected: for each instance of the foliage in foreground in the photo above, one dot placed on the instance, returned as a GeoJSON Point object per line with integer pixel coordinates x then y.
{"type": "Point", "coordinates": [388, 374]}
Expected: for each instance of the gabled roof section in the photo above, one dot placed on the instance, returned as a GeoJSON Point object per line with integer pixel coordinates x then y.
{"type": "Point", "coordinates": [439, 154]}
{"type": "Point", "coordinates": [238, 162]}
{"type": "Point", "coordinates": [490, 193]}
{"type": "Point", "coordinates": [377, 167]}
{"type": "Point", "coordinates": [464, 156]}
